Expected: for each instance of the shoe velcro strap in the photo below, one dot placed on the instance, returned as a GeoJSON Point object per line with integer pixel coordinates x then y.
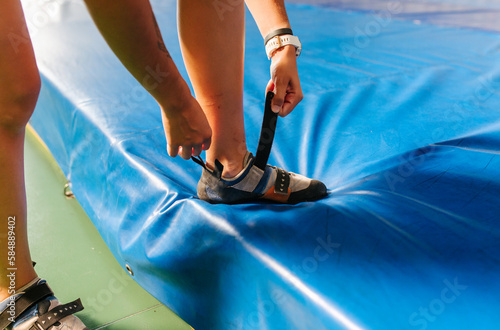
{"type": "Point", "coordinates": [282, 182]}
{"type": "Point", "coordinates": [266, 134]}
{"type": "Point", "coordinates": [31, 296]}
{"type": "Point", "coordinates": [45, 321]}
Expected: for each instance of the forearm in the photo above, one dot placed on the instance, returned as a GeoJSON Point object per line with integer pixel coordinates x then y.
{"type": "Point", "coordinates": [130, 29]}
{"type": "Point", "coordinates": [269, 15]}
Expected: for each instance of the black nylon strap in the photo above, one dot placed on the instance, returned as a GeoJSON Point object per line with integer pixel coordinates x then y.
{"type": "Point", "coordinates": [56, 314]}
{"type": "Point", "coordinates": [217, 171]}
{"type": "Point", "coordinates": [199, 161]}
{"type": "Point", "coordinates": [278, 32]}
{"type": "Point", "coordinates": [282, 182]}
{"type": "Point", "coordinates": [31, 296]}
{"type": "Point", "coordinates": [266, 134]}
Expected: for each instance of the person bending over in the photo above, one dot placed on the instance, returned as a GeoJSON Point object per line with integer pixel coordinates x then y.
{"type": "Point", "coordinates": [212, 44]}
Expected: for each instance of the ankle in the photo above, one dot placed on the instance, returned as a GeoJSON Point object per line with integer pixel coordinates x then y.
{"type": "Point", "coordinates": [232, 166]}
{"type": "Point", "coordinates": [231, 170]}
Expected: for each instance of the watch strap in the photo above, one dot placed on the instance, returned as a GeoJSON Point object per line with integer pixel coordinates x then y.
{"type": "Point", "coordinates": [278, 32]}
{"type": "Point", "coordinates": [283, 40]}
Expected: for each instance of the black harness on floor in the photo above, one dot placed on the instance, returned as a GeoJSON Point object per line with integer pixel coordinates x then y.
{"type": "Point", "coordinates": [31, 296]}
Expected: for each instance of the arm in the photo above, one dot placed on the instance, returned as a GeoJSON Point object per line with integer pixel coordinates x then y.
{"type": "Point", "coordinates": [130, 29]}
{"type": "Point", "coordinates": [271, 15]}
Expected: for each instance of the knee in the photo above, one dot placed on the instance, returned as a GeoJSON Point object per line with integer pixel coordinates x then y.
{"type": "Point", "coordinates": [18, 100]}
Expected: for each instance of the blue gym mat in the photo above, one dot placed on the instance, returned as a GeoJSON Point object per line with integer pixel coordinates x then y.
{"type": "Point", "coordinates": [401, 120]}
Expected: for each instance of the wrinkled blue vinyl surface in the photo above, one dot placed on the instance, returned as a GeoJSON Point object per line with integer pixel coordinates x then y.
{"type": "Point", "coordinates": [402, 122]}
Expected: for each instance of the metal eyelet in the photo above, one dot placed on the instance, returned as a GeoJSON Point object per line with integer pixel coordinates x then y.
{"type": "Point", "coordinates": [67, 191]}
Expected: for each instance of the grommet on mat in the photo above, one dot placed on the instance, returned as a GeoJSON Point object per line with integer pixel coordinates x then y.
{"type": "Point", "coordinates": [129, 270]}
{"type": "Point", "coordinates": [67, 191]}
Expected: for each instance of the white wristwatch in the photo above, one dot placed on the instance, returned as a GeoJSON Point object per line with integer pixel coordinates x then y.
{"type": "Point", "coordinates": [283, 40]}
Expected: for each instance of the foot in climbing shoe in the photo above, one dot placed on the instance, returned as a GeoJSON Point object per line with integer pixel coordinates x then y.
{"type": "Point", "coordinates": [37, 308]}
{"type": "Point", "coordinates": [252, 184]}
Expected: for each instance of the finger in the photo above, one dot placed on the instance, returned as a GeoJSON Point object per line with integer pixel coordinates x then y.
{"type": "Point", "coordinates": [287, 108]}
{"type": "Point", "coordinates": [185, 152]}
{"type": "Point", "coordinates": [279, 96]}
{"type": "Point", "coordinates": [291, 101]}
{"type": "Point", "coordinates": [207, 143]}
{"type": "Point", "coordinates": [270, 86]}
{"type": "Point", "coordinates": [172, 150]}
{"type": "Point", "coordinates": [197, 150]}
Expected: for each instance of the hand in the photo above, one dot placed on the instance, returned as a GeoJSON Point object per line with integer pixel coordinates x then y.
{"type": "Point", "coordinates": [284, 81]}
{"type": "Point", "coordinates": [187, 129]}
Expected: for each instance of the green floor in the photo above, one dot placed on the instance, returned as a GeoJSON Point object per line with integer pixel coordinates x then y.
{"type": "Point", "coordinates": [74, 259]}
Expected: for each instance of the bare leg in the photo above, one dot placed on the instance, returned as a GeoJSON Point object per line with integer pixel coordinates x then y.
{"type": "Point", "coordinates": [19, 88]}
{"type": "Point", "coordinates": [212, 44]}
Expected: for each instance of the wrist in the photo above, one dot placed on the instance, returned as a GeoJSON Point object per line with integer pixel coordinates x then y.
{"type": "Point", "coordinates": [284, 51]}
{"type": "Point", "coordinates": [175, 98]}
